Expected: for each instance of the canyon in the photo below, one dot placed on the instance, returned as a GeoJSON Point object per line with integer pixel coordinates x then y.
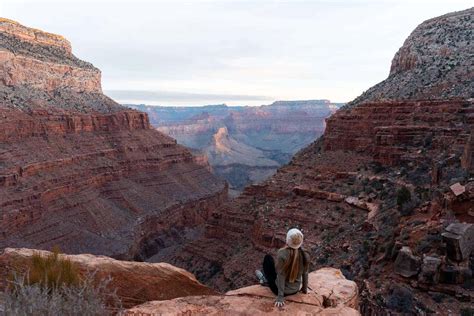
{"type": "Point", "coordinates": [79, 171]}
{"type": "Point", "coordinates": [386, 194]}
{"type": "Point", "coordinates": [244, 144]}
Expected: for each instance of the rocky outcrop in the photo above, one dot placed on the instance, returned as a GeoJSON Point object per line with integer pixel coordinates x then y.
{"type": "Point", "coordinates": [80, 171]}
{"type": "Point", "coordinates": [407, 264]}
{"type": "Point", "coordinates": [329, 294]}
{"type": "Point", "coordinates": [135, 282]}
{"type": "Point", "coordinates": [459, 238]}
{"type": "Point", "coordinates": [435, 60]}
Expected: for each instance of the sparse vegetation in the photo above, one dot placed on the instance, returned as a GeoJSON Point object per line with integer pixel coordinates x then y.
{"type": "Point", "coordinates": [403, 196]}
{"type": "Point", "coordinates": [52, 271]}
{"type": "Point", "coordinates": [84, 298]}
{"type": "Point", "coordinates": [53, 286]}
{"type": "Point", "coordinates": [468, 311]}
{"type": "Point", "coordinates": [400, 299]}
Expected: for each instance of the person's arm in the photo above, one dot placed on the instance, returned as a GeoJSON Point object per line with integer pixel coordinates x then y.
{"type": "Point", "coordinates": [281, 277]}
{"type": "Point", "coordinates": [304, 288]}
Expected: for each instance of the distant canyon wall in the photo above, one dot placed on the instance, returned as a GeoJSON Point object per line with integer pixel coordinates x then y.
{"type": "Point", "coordinates": [244, 145]}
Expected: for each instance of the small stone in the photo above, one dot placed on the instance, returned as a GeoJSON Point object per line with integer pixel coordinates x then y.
{"type": "Point", "coordinates": [457, 189]}
{"type": "Point", "coordinates": [455, 274]}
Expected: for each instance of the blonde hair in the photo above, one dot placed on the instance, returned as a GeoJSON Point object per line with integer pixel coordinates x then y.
{"type": "Point", "coordinates": [291, 267]}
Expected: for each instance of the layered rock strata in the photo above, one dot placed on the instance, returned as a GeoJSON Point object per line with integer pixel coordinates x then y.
{"type": "Point", "coordinates": [80, 171]}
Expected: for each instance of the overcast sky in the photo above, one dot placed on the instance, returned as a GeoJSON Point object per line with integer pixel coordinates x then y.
{"type": "Point", "coordinates": [237, 52]}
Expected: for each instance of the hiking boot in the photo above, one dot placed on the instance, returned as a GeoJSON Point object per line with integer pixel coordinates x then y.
{"type": "Point", "coordinates": [261, 277]}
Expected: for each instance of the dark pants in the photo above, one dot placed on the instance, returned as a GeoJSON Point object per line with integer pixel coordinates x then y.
{"type": "Point", "coordinates": [270, 273]}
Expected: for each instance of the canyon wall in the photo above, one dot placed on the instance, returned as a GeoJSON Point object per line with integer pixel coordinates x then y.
{"type": "Point", "coordinates": [244, 145]}
{"type": "Point", "coordinates": [78, 170]}
{"type": "Point", "coordinates": [386, 194]}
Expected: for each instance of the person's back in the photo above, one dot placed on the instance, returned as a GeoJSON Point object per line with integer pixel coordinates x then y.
{"type": "Point", "coordinates": [290, 274]}
{"type": "Point", "coordinates": [283, 267]}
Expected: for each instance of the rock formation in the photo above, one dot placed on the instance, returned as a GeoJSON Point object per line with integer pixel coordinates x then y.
{"type": "Point", "coordinates": [257, 140]}
{"type": "Point", "coordinates": [162, 289]}
{"type": "Point", "coordinates": [373, 195]}
{"type": "Point", "coordinates": [330, 294]}
{"type": "Point", "coordinates": [135, 282]}
{"type": "Point", "coordinates": [80, 171]}
{"type": "Point", "coordinates": [435, 60]}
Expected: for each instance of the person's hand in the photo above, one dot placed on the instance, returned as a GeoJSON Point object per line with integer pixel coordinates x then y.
{"type": "Point", "coordinates": [279, 304]}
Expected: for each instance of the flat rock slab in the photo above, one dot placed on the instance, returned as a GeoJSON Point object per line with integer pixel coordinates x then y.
{"type": "Point", "coordinates": [329, 293]}
{"type": "Point", "coordinates": [233, 305]}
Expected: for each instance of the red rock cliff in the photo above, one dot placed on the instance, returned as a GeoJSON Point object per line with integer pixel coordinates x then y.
{"type": "Point", "coordinates": [78, 170]}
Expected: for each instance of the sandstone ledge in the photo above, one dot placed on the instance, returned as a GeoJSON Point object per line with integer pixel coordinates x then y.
{"type": "Point", "coordinates": [329, 294]}
{"type": "Point", "coordinates": [136, 282]}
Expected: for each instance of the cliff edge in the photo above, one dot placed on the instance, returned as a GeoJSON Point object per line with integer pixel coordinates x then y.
{"type": "Point", "coordinates": [80, 171]}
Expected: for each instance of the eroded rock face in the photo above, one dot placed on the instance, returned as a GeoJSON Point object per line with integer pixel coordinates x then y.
{"type": "Point", "coordinates": [435, 60]}
{"type": "Point", "coordinates": [329, 294]}
{"type": "Point", "coordinates": [135, 282]}
{"type": "Point", "coordinates": [80, 171]}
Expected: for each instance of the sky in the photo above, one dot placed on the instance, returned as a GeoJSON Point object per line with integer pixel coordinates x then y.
{"type": "Point", "coordinates": [234, 52]}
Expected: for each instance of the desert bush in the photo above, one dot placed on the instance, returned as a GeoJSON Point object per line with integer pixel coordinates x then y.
{"type": "Point", "coordinates": [400, 299]}
{"type": "Point", "coordinates": [52, 271]}
{"type": "Point", "coordinates": [87, 297]}
{"type": "Point", "coordinates": [403, 196]}
{"type": "Point", "coordinates": [467, 311]}
{"type": "Point", "coordinates": [408, 208]}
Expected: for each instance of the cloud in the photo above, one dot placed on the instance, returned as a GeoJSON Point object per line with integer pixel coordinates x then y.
{"type": "Point", "coordinates": [234, 49]}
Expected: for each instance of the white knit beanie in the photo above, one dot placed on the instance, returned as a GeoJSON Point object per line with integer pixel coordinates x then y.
{"type": "Point", "coordinates": [294, 238]}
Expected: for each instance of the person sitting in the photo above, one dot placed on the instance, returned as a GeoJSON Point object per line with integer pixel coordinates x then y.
{"type": "Point", "coordinates": [290, 274]}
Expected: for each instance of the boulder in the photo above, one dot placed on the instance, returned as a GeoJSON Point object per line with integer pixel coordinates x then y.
{"type": "Point", "coordinates": [457, 189]}
{"type": "Point", "coordinates": [459, 239]}
{"type": "Point", "coordinates": [135, 282]}
{"type": "Point", "coordinates": [329, 293]}
{"type": "Point", "coordinates": [407, 264]}
{"type": "Point", "coordinates": [430, 270]}
{"type": "Point", "coordinates": [359, 203]}
{"type": "Point", "coordinates": [455, 273]}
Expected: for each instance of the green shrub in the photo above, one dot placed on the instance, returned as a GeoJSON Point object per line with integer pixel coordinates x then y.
{"type": "Point", "coordinates": [403, 196]}
{"type": "Point", "coordinates": [401, 300]}
{"type": "Point", "coordinates": [467, 311]}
